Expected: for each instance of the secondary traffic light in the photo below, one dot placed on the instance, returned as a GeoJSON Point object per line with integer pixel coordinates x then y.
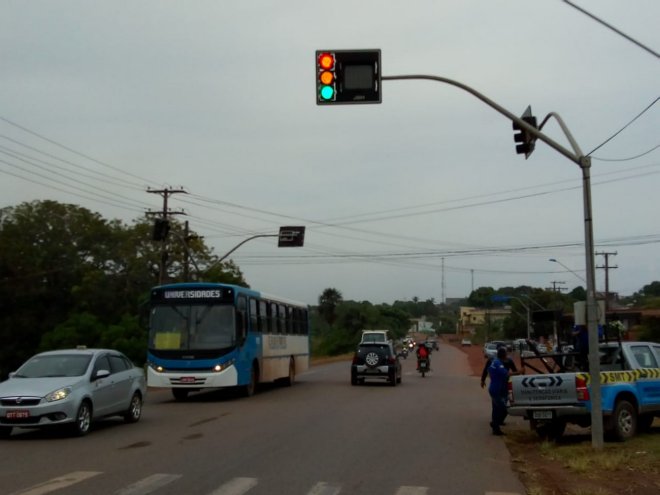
{"type": "Point", "coordinates": [525, 139]}
{"type": "Point", "coordinates": [161, 229]}
{"type": "Point", "coordinates": [347, 76]}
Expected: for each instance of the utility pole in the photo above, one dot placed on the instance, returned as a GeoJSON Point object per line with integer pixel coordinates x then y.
{"type": "Point", "coordinates": [164, 214]}
{"type": "Point", "coordinates": [607, 269]}
{"type": "Point", "coordinates": [556, 284]}
{"type": "Point", "coordinates": [442, 297]}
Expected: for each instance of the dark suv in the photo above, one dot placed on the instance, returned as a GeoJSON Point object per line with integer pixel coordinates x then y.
{"type": "Point", "coordinates": [375, 360]}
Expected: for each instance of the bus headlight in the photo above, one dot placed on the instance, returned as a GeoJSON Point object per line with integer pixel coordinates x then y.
{"type": "Point", "coordinates": [221, 367]}
{"type": "Point", "coordinates": [156, 367]}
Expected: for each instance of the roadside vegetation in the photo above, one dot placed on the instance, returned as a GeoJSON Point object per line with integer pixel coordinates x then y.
{"type": "Point", "coordinates": [572, 467]}
{"type": "Point", "coordinates": [70, 277]}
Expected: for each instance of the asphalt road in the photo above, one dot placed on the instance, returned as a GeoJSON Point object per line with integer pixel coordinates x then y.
{"type": "Point", "coordinates": [320, 437]}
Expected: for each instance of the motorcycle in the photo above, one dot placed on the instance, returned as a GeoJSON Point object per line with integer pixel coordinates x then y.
{"type": "Point", "coordinates": [423, 366]}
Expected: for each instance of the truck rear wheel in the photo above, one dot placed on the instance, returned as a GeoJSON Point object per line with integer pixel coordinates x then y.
{"type": "Point", "coordinates": [549, 430]}
{"type": "Point", "coordinates": [622, 425]}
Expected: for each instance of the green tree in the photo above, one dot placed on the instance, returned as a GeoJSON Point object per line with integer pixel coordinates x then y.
{"type": "Point", "coordinates": [329, 299]}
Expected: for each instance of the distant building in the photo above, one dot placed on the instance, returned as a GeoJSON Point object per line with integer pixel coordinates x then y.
{"type": "Point", "coordinates": [470, 318]}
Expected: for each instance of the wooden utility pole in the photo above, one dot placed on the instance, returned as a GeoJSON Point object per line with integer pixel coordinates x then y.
{"type": "Point", "coordinates": [607, 269]}
{"type": "Point", "coordinates": [164, 214]}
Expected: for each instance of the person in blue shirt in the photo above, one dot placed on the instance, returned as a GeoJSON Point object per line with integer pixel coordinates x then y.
{"type": "Point", "coordinates": [498, 390]}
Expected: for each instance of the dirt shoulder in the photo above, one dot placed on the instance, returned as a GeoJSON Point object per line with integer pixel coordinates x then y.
{"type": "Point", "coordinates": [570, 466]}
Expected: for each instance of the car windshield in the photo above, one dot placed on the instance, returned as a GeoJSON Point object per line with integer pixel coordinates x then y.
{"type": "Point", "coordinates": [192, 327]}
{"type": "Point", "coordinates": [55, 365]}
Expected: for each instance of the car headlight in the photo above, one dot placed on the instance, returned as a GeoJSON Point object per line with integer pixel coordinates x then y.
{"type": "Point", "coordinates": [59, 394]}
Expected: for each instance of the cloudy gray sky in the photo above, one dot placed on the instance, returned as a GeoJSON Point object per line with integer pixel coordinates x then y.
{"type": "Point", "coordinates": [218, 97]}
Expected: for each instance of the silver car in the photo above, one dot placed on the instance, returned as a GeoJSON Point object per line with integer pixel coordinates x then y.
{"type": "Point", "coordinates": [71, 388]}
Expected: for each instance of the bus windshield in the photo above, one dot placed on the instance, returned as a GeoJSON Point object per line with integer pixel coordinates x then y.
{"type": "Point", "coordinates": [192, 327]}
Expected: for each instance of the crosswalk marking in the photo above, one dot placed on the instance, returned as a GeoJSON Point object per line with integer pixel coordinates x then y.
{"type": "Point", "coordinates": [58, 483]}
{"type": "Point", "coordinates": [237, 486]}
{"type": "Point", "coordinates": [149, 484]}
{"type": "Point", "coordinates": [322, 488]}
{"type": "Point", "coordinates": [412, 490]}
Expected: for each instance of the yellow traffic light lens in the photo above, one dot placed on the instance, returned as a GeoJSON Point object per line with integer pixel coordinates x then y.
{"type": "Point", "coordinates": [327, 77]}
{"type": "Point", "coordinates": [326, 61]}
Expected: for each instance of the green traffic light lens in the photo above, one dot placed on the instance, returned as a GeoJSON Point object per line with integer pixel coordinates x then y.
{"type": "Point", "coordinates": [327, 92]}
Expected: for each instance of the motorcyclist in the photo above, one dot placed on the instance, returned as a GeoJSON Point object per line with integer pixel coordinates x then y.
{"type": "Point", "coordinates": [423, 353]}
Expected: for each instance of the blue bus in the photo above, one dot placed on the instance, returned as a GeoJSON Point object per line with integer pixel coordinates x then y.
{"type": "Point", "coordinates": [211, 335]}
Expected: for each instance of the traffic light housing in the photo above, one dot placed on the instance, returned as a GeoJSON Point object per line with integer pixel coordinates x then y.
{"type": "Point", "coordinates": [161, 229]}
{"type": "Point", "coordinates": [526, 141]}
{"type": "Point", "coordinates": [347, 76]}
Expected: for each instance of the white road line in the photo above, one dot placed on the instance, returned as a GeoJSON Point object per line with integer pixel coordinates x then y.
{"type": "Point", "coordinates": [322, 488]}
{"type": "Point", "coordinates": [58, 483]}
{"type": "Point", "coordinates": [412, 490]}
{"type": "Point", "coordinates": [149, 484]}
{"type": "Point", "coordinates": [237, 486]}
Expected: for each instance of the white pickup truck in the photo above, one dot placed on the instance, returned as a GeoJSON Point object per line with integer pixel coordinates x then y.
{"type": "Point", "coordinates": [630, 386]}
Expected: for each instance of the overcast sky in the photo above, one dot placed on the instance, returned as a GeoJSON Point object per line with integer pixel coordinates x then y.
{"type": "Point", "coordinates": [105, 99]}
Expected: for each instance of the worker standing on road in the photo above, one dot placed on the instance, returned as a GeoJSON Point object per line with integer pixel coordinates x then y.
{"type": "Point", "coordinates": [498, 390]}
{"type": "Point", "coordinates": [508, 364]}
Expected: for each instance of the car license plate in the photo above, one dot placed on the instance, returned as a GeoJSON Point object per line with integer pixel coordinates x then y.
{"type": "Point", "coordinates": [187, 379]}
{"type": "Point", "coordinates": [542, 414]}
{"type": "Point", "coordinates": [18, 414]}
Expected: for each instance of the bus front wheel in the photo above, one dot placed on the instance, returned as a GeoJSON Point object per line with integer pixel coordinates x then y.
{"type": "Point", "coordinates": [251, 387]}
{"type": "Point", "coordinates": [180, 393]}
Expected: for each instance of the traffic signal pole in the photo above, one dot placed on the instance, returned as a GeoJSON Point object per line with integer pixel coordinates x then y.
{"type": "Point", "coordinates": [584, 162]}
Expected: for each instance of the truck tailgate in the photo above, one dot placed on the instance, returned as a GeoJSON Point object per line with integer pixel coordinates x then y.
{"type": "Point", "coordinates": [544, 390]}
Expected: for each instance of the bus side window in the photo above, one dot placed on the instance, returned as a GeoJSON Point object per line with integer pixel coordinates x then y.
{"type": "Point", "coordinates": [272, 324]}
{"type": "Point", "coordinates": [281, 319]}
{"type": "Point", "coordinates": [241, 315]}
{"type": "Point", "coordinates": [289, 320]}
{"type": "Point", "coordinates": [254, 315]}
{"type": "Point", "coordinates": [263, 316]}
{"type": "Point", "coordinates": [304, 322]}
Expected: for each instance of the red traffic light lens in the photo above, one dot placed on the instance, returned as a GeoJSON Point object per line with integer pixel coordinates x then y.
{"type": "Point", "coordinates": [327, 61]}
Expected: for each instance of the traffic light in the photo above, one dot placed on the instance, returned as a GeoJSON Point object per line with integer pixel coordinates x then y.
{"type": "Point", "coordinates": [161, 229]}
{"type": "Point", "coordinates": [347, 76]}
{"type": "Point", "coordinates": [525, 139]}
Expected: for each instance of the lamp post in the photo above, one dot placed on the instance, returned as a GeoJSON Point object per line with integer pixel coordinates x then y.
{"type": "Point", "coordinates": [584, 162]}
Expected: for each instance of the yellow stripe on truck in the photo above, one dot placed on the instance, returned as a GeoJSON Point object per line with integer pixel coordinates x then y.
{"type": "Point", "coordinates": [611, 377]}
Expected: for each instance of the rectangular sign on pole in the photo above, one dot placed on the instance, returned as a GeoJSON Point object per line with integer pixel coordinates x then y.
{"type": "Point", "coordinates": [291, 237]}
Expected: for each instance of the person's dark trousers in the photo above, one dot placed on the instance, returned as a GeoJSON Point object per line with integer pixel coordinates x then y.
{"type": "Point", "coordinates": [499, 412]}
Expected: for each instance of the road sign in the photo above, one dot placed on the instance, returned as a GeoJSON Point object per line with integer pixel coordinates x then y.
{"type": "Point", "coordinates": [291, 237]}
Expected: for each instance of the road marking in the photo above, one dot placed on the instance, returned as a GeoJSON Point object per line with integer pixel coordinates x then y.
{"type": "Point", "coordinates": [237, 486]}
{"type": "Point", "coordinates": [149, 484]}
{"type": "Point", "coordinates": [322, 488]}
{"type": "Point", "coordinates": [412, 490]}
{"type": "Point", "coordinates": [58, 483]}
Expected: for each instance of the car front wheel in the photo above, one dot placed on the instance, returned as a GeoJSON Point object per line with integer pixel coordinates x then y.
{"type": "Point", "coordinates": [83, 421]}
{"type": "Point", "coordinates": [134, 411]}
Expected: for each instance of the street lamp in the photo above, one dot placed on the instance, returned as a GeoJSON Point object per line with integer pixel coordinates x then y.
{"type": "Point", "coordinates": [498, 298]}
{"type": "Point", "coordinates": [560, 263]}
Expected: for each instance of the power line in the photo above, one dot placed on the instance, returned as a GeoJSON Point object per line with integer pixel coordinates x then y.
{"type": "Point", "coordinates": [71, 150]}
{"type": "Point", "coordinates": [620, 130]}
{"type": "Point", "coordinates": [626, 159]}
{"type": "Point", "coordinates": [629, 38]}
